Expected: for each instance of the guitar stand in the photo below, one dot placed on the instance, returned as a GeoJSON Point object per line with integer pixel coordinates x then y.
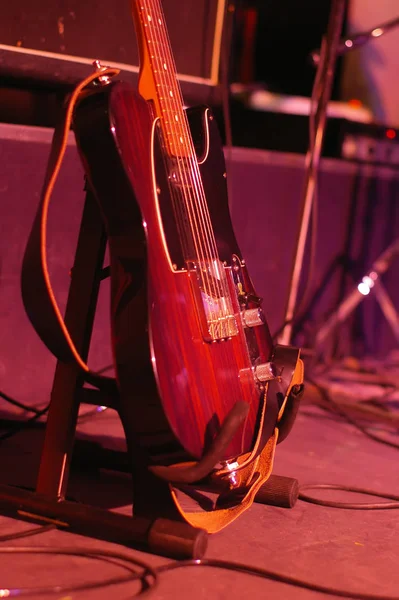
{"type": "Point", "coordinates": [150, 528]}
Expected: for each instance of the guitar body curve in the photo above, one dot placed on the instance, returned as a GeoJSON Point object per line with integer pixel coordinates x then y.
{"type": "Point", "coordinates": [176, 386]}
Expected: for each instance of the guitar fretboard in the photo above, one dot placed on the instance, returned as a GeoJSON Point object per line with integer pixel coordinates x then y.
{"type": "Point", "coordinates": [158, 83]}
{"type": "Point", "coordinates": [168, 102]}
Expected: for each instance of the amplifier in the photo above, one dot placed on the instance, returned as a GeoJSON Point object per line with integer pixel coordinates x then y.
{"type": "Point", "coordinates": [369, 143]}
{"type": "Point", "coordinates": [265, 120]}
{"type": "Point", "coordinates": [55, 41]}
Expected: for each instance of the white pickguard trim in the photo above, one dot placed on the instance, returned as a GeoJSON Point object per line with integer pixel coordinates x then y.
{"type": "Point", "coordinates": [156, 201]}
{"type": "Point", "coordinates": [207, 141]}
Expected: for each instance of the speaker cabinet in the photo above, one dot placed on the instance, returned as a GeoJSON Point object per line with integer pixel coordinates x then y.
{"type": "Point", "coordinates": [56, 40]}
{"type": "Point", "coordinates": [358, 215]}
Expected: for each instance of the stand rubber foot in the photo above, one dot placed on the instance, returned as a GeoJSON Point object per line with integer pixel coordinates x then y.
{"type": "Point", "coordinates": [176, 539]}
{"type": "Point", "coordinates": [279, 491]}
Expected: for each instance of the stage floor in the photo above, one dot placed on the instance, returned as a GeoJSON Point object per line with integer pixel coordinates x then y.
{"type": "Point", "coordinates": [353, 550]}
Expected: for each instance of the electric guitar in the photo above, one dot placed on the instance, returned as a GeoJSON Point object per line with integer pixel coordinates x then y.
{"type": "Point", "coordinates": [193, 352]}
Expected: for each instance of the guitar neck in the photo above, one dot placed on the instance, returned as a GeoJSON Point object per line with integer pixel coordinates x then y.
{"type": "Point", "coordinates": [158, 77]}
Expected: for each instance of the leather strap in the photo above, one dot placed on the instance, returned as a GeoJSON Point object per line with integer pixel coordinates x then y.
{"type": "Point", "coordinates": [38, 297]}
{"type": "Point", "coordinates": [252, 477]}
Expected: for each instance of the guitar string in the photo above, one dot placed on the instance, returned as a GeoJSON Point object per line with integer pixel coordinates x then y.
{"type": "Point", "coordinates": [146, 24]}
{"type": "Point", "coordinates": [174, 109]}
{"type": "Point", "coordinates": [183, 177]}
{"type": "Point", "coordinates": [222, 283]}
{"type": "Point", "coordinates": [226, 351]}
{"type": "Point", "coordinates": [162, 76]}
{"type": "Point", "coordinates": [174, 142]}
{"type": "Point", "coordinates": [176, 106]}
{"type": "Point", "coordinates": [223, 287]}
{"type": "Point", "coordinates": [155, 36]}
{"type": "Point", "coordinates": [188, 195]}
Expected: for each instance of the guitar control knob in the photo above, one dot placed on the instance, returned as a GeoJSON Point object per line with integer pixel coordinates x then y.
{"type": "Point", "coordinates": [253, 317]}
{"type": "Point", "coordinates": [266, 372]}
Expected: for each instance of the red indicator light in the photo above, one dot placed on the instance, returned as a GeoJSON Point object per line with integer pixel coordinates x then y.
{"type": "Point", "coordinates": [391, 134]}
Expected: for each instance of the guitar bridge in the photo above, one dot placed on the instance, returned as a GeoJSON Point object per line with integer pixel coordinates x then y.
{"type": "Point", "coordinates": [213, 302]}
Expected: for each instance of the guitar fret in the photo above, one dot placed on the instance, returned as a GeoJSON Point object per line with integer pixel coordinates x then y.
{"type": "Point", "coordinates": [169, 103]}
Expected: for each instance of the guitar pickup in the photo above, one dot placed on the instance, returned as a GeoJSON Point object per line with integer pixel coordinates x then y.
{"type": "Point", "coordinates": [181, 178]}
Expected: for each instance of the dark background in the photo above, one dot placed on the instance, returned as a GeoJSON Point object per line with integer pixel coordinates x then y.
{"type": "Point", "coordinates": [32, 85]}
{"type": "Point", "coordinates": [268, 42]}
{"type": "Point", "coordinates": [104, 29]}
{"type": "Point", "coordinates": [286, 31]}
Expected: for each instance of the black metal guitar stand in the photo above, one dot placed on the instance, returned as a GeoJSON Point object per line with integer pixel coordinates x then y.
{"type": "Point", "coordinates": [169, 537]}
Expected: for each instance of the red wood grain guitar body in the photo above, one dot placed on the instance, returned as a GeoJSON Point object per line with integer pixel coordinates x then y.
{"type": "Point", "coordinates": [179, 372]}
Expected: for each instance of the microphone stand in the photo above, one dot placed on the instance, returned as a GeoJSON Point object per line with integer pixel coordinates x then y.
{"type": "Point", "coordinates": [359, 39]}
{"type": "Point", "coordinates": [371, 280]}
{"type": "Point", "coordinates": [323, 80]}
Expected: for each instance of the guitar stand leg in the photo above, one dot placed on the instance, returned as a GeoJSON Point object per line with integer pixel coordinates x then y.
{"type": "Point", "coordinates": [157, 535]}
{"type": "Point", "coordinates": [153, 532]}
{"type": "Point", "coordinates": [279, 491]}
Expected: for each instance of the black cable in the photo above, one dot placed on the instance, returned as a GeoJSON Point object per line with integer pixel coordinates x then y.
{"type": "Point", "coordinates": [267, 574]}
{"type": "Point", "coordinates": [18, 403]}
{"type": "Point", "coordinates": [20, 426]}
{"type": "Point", "coordinates": [350, 505]}
{"type": "Point", "coordinates": [338, 410]}
{"type": "Point", "coordinates": [40, 412]}
{"type": "Point", "coordinates": [128, 562]}
{"type": "Point", "coordinates": [27, 533]}
{"type": "Point", "coordinates": [131, 564]}
{"type": "Point", "coordinates": [17, 427]}
{"type": "Point", "coordinates": [148, 571]}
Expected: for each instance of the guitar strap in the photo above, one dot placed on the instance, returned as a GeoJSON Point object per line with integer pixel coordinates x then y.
{"type": "Point", "coordinates": [252, 477]}
{"type": "Point", "coordinates": [37, 294]}
{"type": "Point", "coordinates": [41, 306]}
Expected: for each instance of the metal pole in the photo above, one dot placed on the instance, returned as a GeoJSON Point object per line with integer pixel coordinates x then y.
{"type": "Point", "coordinates": [324, 75]}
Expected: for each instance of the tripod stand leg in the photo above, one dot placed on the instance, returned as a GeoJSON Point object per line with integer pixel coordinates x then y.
{"type": "Point", "coordinates": [149, 528]}
{"type": "Point", "coordinates": [387, 307]}
{"type": "Point", "coordinates": [79, 318]}
{"type": "Point", "coordinates": [371, 281]}
{"type": "Point", "coordinates": [158, 535]}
